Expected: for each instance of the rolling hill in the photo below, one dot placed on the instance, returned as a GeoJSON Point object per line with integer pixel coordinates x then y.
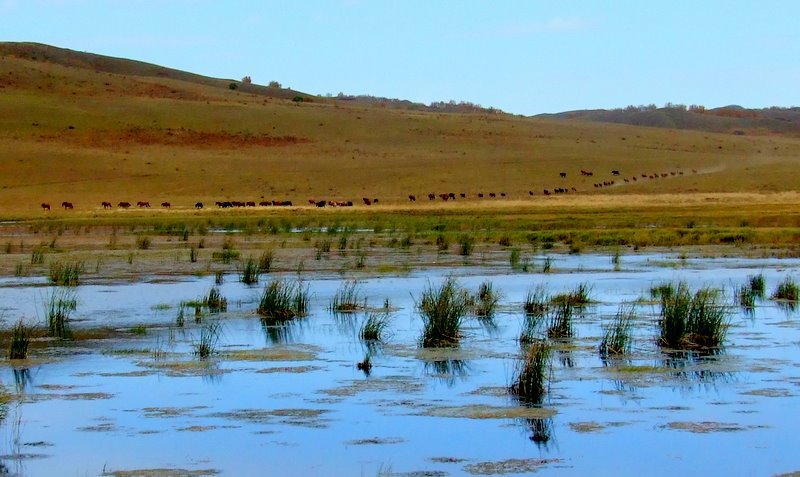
{"type": "Point", "coordinates": [87, 128]}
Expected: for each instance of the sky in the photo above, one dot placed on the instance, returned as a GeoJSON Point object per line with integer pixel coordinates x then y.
{"type": "Point", "coordinates": [524, 57]}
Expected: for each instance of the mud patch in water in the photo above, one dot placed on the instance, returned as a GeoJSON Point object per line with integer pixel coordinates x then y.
{"type": "Point", "coordinates": [375, 441]}
{"type": "Point", "coordinates": [311, 418]}
{"type": "Point", "coordinates": [290, 369]}
{"type": "Point", "coordinates": [509, 466]}
{"type": "Point", "coordinates": [489, 412]}
{"type": "Point", "coordinates": [769, 392]}
{"type": "Point", "coordinates": [161, 473]}
{"type": "Point", "coordinates": [396, 384]}
{"type": "Point", "coordinates": [704, 427]}
{"type": "Point", "coordinates": [300, 353]}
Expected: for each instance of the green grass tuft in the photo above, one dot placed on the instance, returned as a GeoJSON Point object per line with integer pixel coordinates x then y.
{"type": "Point", "coordinates": [209, 338]}
{"type": "Point", "coordinates": [442, 310]}
{"type": "Point", "coordinates": [58, 307]}
{"type": "Point", "coordinates": [689, 320]}
{"type": "Point", "coordinates": [66, 273]}
{"type": "Point", "coordinates": [530, 382]}
{"type": "Point", "coordinates": [375, 326]}
{"type": "Point", "coordinates": [617, 337]}
{"type": "Point", "coordinates": [215, 302]}
{"type": "Point", "coordinates": [282, 301]}
{"type": "Point", "coordinates": [20, 340]}
{"type": "Point", "coordinates": [787, 290]}
{"type": "Point", "coordinates": [348, 298]}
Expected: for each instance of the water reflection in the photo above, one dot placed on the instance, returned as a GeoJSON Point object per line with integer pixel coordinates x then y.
{"type": "Point", "coordinates": [286, 333]}
{"type": "Point", "coordinates": [22, 379]}
{"type": "Point", "coordinates": [694, 366]}
{"type": "Point", "coordinates": [449, 371]}
{"type": "Point", "coordinates": [540, 431]}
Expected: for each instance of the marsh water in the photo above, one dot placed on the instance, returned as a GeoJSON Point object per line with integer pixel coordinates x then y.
{"type": "Point", "coordinates": [291, 401]}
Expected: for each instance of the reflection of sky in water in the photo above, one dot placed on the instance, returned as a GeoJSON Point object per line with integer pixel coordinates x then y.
{"type": "Point", "coordinates": [631, 399]}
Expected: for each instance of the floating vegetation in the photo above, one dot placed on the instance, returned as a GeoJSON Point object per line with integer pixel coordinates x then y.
{"type": "Point", "coordinates": [442, 310]}
{"type": "Point", "coordinates": [215, 302]}
{"type": "Point", "coordinates": [66, 273]}
{"type": "Point", "coordinates": [58, 308]}
{"type": "Point", "coordinates": [348, 298]}
{"type": "Point", "coordinates": [20, 339]}
{"type": "Point", "coordinates": [617, 336]}
{"type": "Point", "coordinates": [282, 301]}
{"type": "Point", "coordinates": [689, 320]}
{"type": "Point", "coordinates": [209, 338]}
{"type": "Point", "coordinates": [530, 382]}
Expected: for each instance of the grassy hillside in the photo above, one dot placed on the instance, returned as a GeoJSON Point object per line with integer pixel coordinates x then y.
{"type": "Point", "coordinates": [726, 120]}
{"type": "Point", "coordinates": [86, 129]}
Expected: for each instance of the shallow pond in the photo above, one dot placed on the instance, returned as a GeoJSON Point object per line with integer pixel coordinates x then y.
{"type": "Point", "coordinates": [291, 401]}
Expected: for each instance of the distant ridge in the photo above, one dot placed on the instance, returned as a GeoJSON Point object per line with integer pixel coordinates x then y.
{"type": "Point", "coordinates": [121, 66]}
{"type": "Point", "coordinates": [728, 119]}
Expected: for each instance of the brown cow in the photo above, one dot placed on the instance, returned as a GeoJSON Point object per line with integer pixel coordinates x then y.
{"type": "Point", "coordinates": [166, 205]}
{"type": "Point", "coordinates": [124, 205]}
{"type": "Point", "coordinates": [412, 198]}
{"type": "Point", "coordinates": [67, 205]}
{"type": "Point", "coordinates": [45, 206]}
{"type": "Point", "coordinates": [106, 205]}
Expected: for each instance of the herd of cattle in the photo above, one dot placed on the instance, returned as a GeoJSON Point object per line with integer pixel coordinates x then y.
{"type": "Point", "coordinates": [448, 196]}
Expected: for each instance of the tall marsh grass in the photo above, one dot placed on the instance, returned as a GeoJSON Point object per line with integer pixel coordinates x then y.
{"type": "Point", "coordinates": [375, 326]}
{"type": "Point", "coordinates": [66, 273]}
{"type": "Point", "coordinates": [250, 272]}
{"type": "Point", "coordinates": [530, 381]}
{"type": "Point", "coordinates": [58, 307]}
{"type": "Point", "coordinates": [484, 303]}
{"type": "Point", "coordinates": [215, 302]}
{"type": "Point", "coordinates": [20, 340]}
{"type": "Point", "coordinates": [560, 321]}
{"type": "Point", "coordinates": [617, 337]}
{"type": "Point", "coordinates": [787, 290]}
{"type": "Point", "coordinates": [537, 301]}
{"type": "Point", "coordinates": [209, 339]}
{"type": "Point", "coordinates": [692, 320]}
{"type": "Point", "coordinates": [282, 301]}
{"type": "Point", "coordinates": [348, 298]}
{"type": "Point", "coordinates": [579, 296]}
{"type": "Point", "coordinates": [442, 309]}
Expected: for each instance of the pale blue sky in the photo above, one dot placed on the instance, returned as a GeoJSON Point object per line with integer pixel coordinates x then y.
{"type": "Point", "coordinates": [525, 57]}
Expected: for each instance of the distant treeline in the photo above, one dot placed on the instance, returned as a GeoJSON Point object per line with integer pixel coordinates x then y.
{"type": "Point", "coordinates": [436, 106]}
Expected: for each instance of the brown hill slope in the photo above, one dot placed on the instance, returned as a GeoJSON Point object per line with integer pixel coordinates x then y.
{"type": "Point", "coordinates": [79, 134]}
{"type": "Point", "coordinates": [728, 119]}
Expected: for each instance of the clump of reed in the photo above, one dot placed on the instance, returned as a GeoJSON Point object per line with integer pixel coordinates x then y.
{"type": "Point", "coordinates": [690, 320]}
{"type": "Point", "coordinates": [484, 303]}
{"type": "Point", "coordinates": [787, 290]}
{"type": "Point", "coordinates": [616, 260]}
{"type": "Point", "coordinates": [617, 337]}
{"type": "Point", "coordinates": [322, 247]}
{"type": "Point", "coordinates": [193, 254]}
{"type": "Point", "coordinates": [348, 298]}
{"type": "Point", "coordinates": [746, 296]}
{"type": "Point", "coordinates": [20, 340]}
{"type": "Point", "coordinates": [250, 272]}
{"type": "Point", "coordinates": [66, 273]}
{"type": "Point", "coordinates": [662, 291]}
{"type": "Point", "coordinates": [559, 321]}
{"type": "Point", "coordinates": [537, 301]}
{"type": "Point", "coordinates": [530, 328]}
{"type": "Point", "coordinates": [548, 265]}
{"type": "Point", "coordinates": [442, 309]}
{"type": "Point", "coordinates": [576, 297]}
{"type": "Point", "coordinates": [215, 302]}
{"type": "Point", "coordinates": [758, 285]}
{"type": "Point", "coordinates": [37, 256]}
{"type": "Point", "coordinates": [209, 338]}
{"type": "Point", "coordinates": [375, 326]}
{"type": "Point", "coordinates": [282, 301]}
{"type": "Point", "coordinates": [265, 261]}
{"type": "Point", "coordinates": [180, 320]}
{"type": "Point", "coordinates": [58, 307]}
{"type": "Point", "coordinates": [442, 243]}
{"type": "Point", "coordinates": [143, 242]}
{"type": "Point", "coordinates": [465, 245]}
{"type": "Point", "coordinates": [531, 376]}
